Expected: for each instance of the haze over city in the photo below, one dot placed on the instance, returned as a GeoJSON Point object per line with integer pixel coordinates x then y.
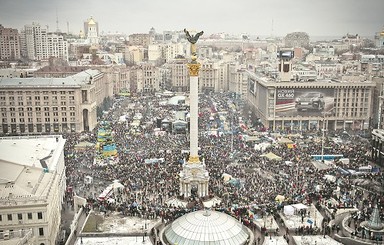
{"type": "Point", "coordinates": [254, 17]}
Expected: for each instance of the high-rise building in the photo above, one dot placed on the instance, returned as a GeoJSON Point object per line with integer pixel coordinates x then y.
{"type": "Point", "coordinates": [9, 44]}
{"type": "Point", "coordinates": [32, 187]}
{"type": "Point", "coordinates": [38, 44]}
{"type": "Point", "coordinates": [179, 80]}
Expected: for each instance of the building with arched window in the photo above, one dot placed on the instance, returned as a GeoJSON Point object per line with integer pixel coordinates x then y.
{"type": "Point", "coordinates": [52, 105]}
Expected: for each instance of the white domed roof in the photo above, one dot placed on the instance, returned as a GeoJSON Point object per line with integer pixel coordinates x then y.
{"type": "Point", "coordinates": [206, 227]}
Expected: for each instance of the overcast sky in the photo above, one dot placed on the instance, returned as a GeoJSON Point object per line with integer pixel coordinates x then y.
{"type": "Point", "coordinates": [254, 17]}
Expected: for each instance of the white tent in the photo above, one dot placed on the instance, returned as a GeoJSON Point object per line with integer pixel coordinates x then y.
{"type": "Point", "coordinates": [299, 206]}
{"type": "Point", "coordinates": [289, 210]}
{"type": "Point", "coordinates": [226, 177]}
{"type": "Point", "coordinates": [330, 178]}
{"type": "Point", "coordinates": [279, 198]}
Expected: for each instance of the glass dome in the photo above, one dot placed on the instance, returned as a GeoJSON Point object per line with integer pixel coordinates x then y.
{"type": "Point", "coordinates": [206, 227]}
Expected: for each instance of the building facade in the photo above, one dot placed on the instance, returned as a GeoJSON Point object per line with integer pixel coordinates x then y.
{"type": "Point", "coordinates": [179, 75]}
{"type": "Point", "coordinates": [302, 106]}
{"type": "Point", "coordinates": [32, 187]}
{"type": "Point", "coordinates": [378, 146]}
{"type": "Point", "coordinates": [52, 105]}
{"type": "Point", "coordinates": [9, 44]}
{"type": "Point", "coordinates": [38, 44]}
{"type": "Point", "coordinates": [139, 39]}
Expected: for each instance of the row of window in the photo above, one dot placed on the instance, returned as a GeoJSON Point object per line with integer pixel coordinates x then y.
{"type": "Point", "coordinates": [55, 108]}
{"type": "Point", "coordinates": [37, 92]}
{"type": "Point", "coordinates": [10, 217]}
{"type": "Point", "coordinates": [32, 128]}
{"type": "Point", "coordinates": [37, 103]}
{"type": "Point", "coordinates": [30, 120]}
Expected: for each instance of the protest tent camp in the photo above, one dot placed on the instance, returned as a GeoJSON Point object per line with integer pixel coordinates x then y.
{"type": "Point", "coordinates": [289, 210]}
{"type": "Point", "coordinates": [285, 141]}
{"type": "Point", "coordinates": [272, 156]}
{"type": "Point", "coordinates": [279, 198]}
{"type": "Point", "coordinates": [226, 177]}
{"type": "Point", "coordinates": [299, 206]}
{"type": "Point", "coordinates": [83, 145]}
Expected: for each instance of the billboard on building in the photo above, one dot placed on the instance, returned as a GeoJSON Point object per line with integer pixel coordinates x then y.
{"type": "Point", "coordinates": [303, 102]}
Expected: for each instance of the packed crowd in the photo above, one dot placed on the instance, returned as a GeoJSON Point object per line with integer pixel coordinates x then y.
{"type": "Point", "coordinates": [147, 187]}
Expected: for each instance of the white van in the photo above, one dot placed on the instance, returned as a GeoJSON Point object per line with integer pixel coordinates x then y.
{"type": "Point", "coordinates": [6, 235]}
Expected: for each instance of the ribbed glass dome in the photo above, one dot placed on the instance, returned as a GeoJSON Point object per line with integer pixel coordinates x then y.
{"type": "Point", "coordinates": [206, 227]}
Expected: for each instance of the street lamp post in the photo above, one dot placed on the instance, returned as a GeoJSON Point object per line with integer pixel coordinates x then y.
{"type": "Point", "coordinates": [323, 135]}
{"type": "Point", "coordinates": [322, 140]}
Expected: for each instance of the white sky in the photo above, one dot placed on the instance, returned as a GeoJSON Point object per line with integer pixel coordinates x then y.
{"type": "Point", "coordinates": [254, 17]}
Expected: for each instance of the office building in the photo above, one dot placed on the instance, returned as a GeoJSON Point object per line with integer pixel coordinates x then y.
{"type": "Point", "coordinates": [331, 104]}
{"type": "Point", "coordinates": [52, 105]}
{"type": "Point", "coordinates": [32, 187]}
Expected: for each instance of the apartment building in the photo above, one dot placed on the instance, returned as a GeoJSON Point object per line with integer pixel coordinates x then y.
{"type": "Point", "coordinates": [32, 188]}
{"type": "Point", "coordinates": [139, 39]}
{"type": "Point", "coordinates": [209, 76]}
{"type": "Point", "coordinates": [179, 80]}
{"type": "Point", "coordinates": [52, 105]}
{"type": "Point", "coordinates": [145, 78]}
{"type": "Point", "coordinates": [38, 44]}
{"type": "Point", "coordinates": [9, 44]}
{"type": "Point", "coordinates": [238, 82]}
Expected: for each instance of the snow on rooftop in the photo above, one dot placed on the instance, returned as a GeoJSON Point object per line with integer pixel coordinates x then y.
{"type": "Point", "coordinates": [131, 240]}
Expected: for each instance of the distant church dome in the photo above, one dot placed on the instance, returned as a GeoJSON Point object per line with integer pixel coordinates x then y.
{"type": "Point", "coordinates": [91, 21]}
{"type": "Point", "coordinates": [206, 227]}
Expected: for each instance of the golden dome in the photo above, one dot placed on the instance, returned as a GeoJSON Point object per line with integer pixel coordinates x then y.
{"type": "Point", "coordinates": [91, 22]}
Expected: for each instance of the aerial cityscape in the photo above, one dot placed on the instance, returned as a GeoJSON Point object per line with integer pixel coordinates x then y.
{"type": "Point", "coordinates": [145, 122]}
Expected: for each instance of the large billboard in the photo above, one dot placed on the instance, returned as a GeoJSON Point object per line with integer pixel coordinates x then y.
{"type": "Point", "coordinates": [303, 102]}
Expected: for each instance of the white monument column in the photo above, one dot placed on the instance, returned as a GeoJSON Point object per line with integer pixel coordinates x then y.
{"type": "Point", "coordinates": [194, 172]}
{"type": "Point", "coordinates": [193, 104]}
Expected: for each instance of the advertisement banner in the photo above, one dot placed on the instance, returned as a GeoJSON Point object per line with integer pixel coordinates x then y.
{"type": "Point", "coordinates": [303, 102]}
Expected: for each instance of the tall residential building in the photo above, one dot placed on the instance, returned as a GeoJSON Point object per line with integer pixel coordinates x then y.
{"type": "Point", "coordinates": [37, 44]}
{"type": "Point", "coordinates": [209, 76]}
{"type": "Point", "coordinates": [9, 44]}
{"type": "Point", "coordinates": [52, 105]}
{"type": "Point", "coordinates": [57, 46]}
{"type": "Point", "coordinates": [238, 82]}
{"type": "Point", "coordinates": [32, 187]}
{"type": "Point", "coordinates": [145, 78]}
{"type": "Point", "coordinates": [179, 75]}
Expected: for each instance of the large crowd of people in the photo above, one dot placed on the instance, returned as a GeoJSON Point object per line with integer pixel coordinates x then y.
{"type": "Point", "coordinates": [259, 180]}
